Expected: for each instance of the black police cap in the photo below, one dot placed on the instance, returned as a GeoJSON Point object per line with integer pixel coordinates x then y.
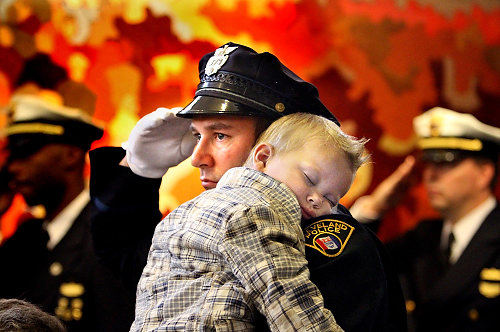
{"type": "Point", "coordinates": [236, 80]}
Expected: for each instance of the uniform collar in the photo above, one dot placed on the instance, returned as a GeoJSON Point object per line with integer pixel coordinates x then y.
{"type": "Point", "coordinates": [465, 228]}
{"type": "Point", "coordinates": [60, 225]}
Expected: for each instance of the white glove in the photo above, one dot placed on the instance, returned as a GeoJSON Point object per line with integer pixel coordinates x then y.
{"type": "Point", "coordinates": [159, 141]}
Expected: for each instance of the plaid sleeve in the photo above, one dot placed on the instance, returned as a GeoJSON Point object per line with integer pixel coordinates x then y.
{"type": "Point", "coordinates": [266, 255]}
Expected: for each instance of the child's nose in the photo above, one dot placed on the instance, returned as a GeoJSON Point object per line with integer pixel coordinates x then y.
{"type": "Point", "coordinates": [315, 200]}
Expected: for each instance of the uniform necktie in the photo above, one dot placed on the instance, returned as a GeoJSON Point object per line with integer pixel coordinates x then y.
{"type": "Point", "coordinates": [447, 252]}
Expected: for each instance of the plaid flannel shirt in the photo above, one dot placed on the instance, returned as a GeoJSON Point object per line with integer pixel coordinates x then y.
{"type": "Point", "coordinates": [232, 250]}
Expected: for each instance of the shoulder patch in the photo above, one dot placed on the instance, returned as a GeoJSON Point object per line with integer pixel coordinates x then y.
{"type": "Point", "coordinates": [328, 236]}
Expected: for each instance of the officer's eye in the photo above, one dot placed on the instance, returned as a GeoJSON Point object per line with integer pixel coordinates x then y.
{"type": "Point", "coordinates": [220, 136]}
{"type": "Point", "coordinates": [197, 136]}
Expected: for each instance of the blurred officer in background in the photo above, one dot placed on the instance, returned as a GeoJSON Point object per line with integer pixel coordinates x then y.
{"type": "Point", "coordinates": [450, 267]}
{"type": "Point", "coordinates": [240, 93]}
{"type": "Point", "coordinates": [51, 262]}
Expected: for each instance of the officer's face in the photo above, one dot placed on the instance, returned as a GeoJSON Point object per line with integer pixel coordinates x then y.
{"type": "Point", "coordinates": [318, 176]}
{"type": "Point", "coordinates": [223, 142]}
{"type": "Point", "coordinates": [39, 175]}
{"type": "Point", "coordinates": [455, 188]}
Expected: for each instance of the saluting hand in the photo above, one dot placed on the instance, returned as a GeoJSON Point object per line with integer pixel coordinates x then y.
{"type": "Point", "coordinates": [158, 141]}
{"type": "Point", "coordinates": [386, 195]}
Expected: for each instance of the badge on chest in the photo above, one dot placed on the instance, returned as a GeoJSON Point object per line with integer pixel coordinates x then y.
{"type": "Point", "coordinates": [70, 304]}
{"type": "Point", "coordinates": [489, 286]}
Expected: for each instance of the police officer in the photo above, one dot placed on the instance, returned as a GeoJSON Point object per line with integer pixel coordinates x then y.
{"type": "Point", "coordinates": [240, 93]}
{"type": "Point", "coordinates": [451, 266]}
{"type": "Point", "coordinates": [51, 262]}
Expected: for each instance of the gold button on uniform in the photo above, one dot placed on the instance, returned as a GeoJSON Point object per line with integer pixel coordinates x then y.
{"type": "Point", "coordinates": [55, 269]}
{"type": "Point", "coordinates": [280, 107]}
{"type": "Point", "coordinates": [473, 314]}
{"type": "Point", "coordinates": [410, 306]}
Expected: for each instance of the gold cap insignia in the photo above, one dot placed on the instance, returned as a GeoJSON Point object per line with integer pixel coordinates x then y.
{"type": "Point", "coordinates": [435, 124]}
{"type": "Point", "coordinates": [34, 128]}
{"type": "Point", "coordinates": [453, 143]}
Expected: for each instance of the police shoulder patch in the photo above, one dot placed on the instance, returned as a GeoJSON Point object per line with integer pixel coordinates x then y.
{"type": "Point", "coordinates": [328, 236]}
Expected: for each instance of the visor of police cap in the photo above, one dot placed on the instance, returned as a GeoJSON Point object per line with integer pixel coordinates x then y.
{"type": "Point", "coordinates": [440, 156]}
{"type": "Point", "coordinates": [441, 130]}
{"type": "Point", "coordinates": [236, 80]}
{"type": "Point", "coordinates": [34, 122]}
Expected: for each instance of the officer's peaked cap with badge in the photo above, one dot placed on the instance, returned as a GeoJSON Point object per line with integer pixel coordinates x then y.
{"type": "Point", "coordinates": [34, 122]}
{"type": "Point", "coordinates": [446, 136]}
{"type": "Point", "coordinates": [236, 80]}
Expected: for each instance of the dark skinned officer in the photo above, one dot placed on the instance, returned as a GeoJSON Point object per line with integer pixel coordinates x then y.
{"type": "Point", "coordinates": [51, 262]}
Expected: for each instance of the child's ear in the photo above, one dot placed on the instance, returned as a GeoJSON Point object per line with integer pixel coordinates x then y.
{"type": "Point", "coordinates": [261, 155]}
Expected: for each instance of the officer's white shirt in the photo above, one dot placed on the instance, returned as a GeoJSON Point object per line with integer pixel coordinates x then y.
{"type": "Point", "coordinates": [465, 228]}
{"type": "Point", "coordinates": [60, 225]}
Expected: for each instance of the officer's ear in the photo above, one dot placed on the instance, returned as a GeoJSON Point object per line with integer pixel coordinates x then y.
{"type": "Point", "coordinates": [261, 155]}
{"type": "Point", "coordinates": [486, 173]}
{"type": "Point", "coordinates": [73, 157]}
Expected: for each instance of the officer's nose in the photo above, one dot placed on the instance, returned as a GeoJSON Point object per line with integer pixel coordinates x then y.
{"type": "Point", "coordinates": [202, 156]}
{"type": "Point", "coordinates": [431, 172]}
{"type": "Point", "coordinates": [15, 166]}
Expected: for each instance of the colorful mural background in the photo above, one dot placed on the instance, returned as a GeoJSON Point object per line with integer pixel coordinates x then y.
{"type": "Point", "coordinates": [376, 63]}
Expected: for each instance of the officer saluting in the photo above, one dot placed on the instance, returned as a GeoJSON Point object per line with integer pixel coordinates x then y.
{"type": "Point", "coordinates": [240, 93]}
{"type": "Point", "coordinates": [51, 262]}
{"type": "Point", "coordinates": [452, 265]}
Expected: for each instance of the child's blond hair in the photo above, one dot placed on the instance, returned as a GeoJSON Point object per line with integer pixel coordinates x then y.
{"type": "Point", "coordinates": [290, 132]}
